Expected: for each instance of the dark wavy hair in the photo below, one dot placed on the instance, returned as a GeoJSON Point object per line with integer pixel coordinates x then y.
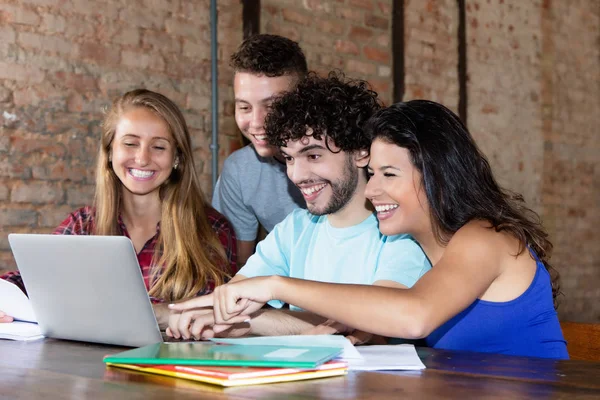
{"type": "Point", "coordinates": [457, 176]}
{"type": "Point", "coordinates": [269, 55]}
{"type": "Point", "coordinates": [333, 106]}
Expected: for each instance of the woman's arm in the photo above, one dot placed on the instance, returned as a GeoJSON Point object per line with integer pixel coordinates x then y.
{"type": "Point", "coordinates": [471, 262]}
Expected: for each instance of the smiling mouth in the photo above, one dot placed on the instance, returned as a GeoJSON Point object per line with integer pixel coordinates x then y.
{"type": "Point", "coordinates": [140, 174]}
{"type": "Point", "coordinates": [312, 191]}
{"type": "Point", "coordinates": [260, 138]}
{"type": "Point", "coordinates": [384, 208]}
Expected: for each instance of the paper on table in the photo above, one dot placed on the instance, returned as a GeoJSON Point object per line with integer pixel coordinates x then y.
{"type": "Point", "coordinates": [349, 351]}
{"type": "Point", "coordinates": [390, 357]}
{"type": "Point", "coordinates": [14, 302]}
{"type": "Point", "coordinates": [18, 330]}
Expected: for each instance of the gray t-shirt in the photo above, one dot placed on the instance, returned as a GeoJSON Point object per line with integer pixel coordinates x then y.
{"type": "Point", "coordinates": [252, 190]}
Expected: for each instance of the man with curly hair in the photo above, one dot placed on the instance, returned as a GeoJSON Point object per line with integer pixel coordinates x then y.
{"type": "Point", "coordinates": [253, 188]}
{"type": "Point", "coordinates": [319, 129]}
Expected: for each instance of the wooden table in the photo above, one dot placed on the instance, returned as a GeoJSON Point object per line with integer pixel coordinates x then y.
{"type": "Point", "coordinates": [70, 370]}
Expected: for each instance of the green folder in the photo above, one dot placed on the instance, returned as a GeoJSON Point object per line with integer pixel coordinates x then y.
{"type": "Point", "coordinates": [208, 353]}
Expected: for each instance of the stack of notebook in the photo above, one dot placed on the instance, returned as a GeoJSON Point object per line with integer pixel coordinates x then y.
{"type": "Point", "coordinates": [232, 365]}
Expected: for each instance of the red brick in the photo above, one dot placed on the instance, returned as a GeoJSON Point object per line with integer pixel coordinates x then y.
{"type": "Point", "coordinates": [5, 94]}
{"type": "Point", "coordinates": [194, 50]}
{"type": "Point", "coordinates": [47, 146]}
{"type": "Point", "coordinates": [161, 41]}
{"type": "Point", "coordinates": [79, 82]}
{"type": "Point", "coordinates": [319, 6]}
{"type": "Point", "coordinates": [14, 170]}
{"type": "Point", "coordinates": [50, 44]}
{"type": "Point", "coordinates": [197, 101]}
{"type": "Point", "coordinates": [127, 35]}
{"type": "Point", "coordinates": [330, 26]}
{"type": "Point", "coordinates": [383, 88]}
{"type": "Point", "coordinates": [377, 22]}
{"type": "Point", "coordinates": [79, 28]}
{"type": "Point", "coordinates": [7, 261]}
{"type": "Point", "coordinates": [199, 12]}
{"type": "Point", "coordinates": [383, 40]}
{"type": "Point", "coordinates": [350, 14]}
{"type": "Point", "coordinates": [106, 10]}
{"type": "Point", "coordinates": [385, 7]}
{"type": "Point", "coordinates": [7, 33]}
{"type": "Point", "coordinates": [365, 4]}
{"type": "Point", "coordinates": [52, 23]}
{"type": "Point", "coordinates": [286, 30]}
{"type": "Point", "coordinates": [18, 15]}
{"type": "Point", "coordinates": [363, 69]}
{"type": "Point", "coordinates": [273, 10]}
{"type": "Point", "coordinates": [360, 34]}
{"type": "Point", "coordinates": [376, 54]}
{"type": "Point", "coordinates": [98, 53]}
{"type": "Point", "coordinates": [79, 196]}
{"type": "Point", "coordinates": [344, 46]}
{"type": "Point", "coordinates": [18, 72]}
{"type": "Point", "coordinates": [53, 216]}
{"type": "Point", "coordinates": [290, 15]}
{"type": "Point", "coordinates": [3, 192]}
{"type": "Point", "coordinates": [194, 120]}
{"type": "Point", "coordinates": [143, 60]}
{"type": "Point", "coordinates": [37, 193]}
{"type": "Point", "coordinates": [318, 41]}
{"type": "Point", "coordinates": [17, 217]}
{"type": "Point", "coordinates": [180, 27]}
{"type": "Point", "coordinates": [60, 170]}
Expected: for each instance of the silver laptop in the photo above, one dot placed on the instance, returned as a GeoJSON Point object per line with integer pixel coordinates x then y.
{"type": "Point", "coordinates": [86, 288]}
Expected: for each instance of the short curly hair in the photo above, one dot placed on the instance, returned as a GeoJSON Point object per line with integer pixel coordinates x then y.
{"type": "Point", "coordinates": [269, 55]}
{"type": "Point", "coordinates": [334, 106]}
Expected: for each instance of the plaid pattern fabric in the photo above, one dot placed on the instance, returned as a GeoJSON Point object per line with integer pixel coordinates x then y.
{"type": "Point", "coordinates": [81, 222]}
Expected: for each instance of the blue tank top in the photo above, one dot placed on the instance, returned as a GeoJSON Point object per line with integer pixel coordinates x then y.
{"type": "Point", "coordinates": [526, 326]}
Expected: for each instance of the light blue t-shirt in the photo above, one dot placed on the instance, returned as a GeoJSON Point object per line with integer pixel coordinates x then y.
{"type": "Point", "coordinates": [306, 246]}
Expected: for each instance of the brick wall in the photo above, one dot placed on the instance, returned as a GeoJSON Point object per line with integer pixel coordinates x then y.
{"type": "Point", "coordinates": [431, 55]}
{"type": "Point", "coordinates": [352, 35]}
{"type": "Point", "coordinates": [533, 95]}
{"type": "Point", "coordinates": [62, 62]}
{"type": "Point", "coordinates": [504, 58]}
{"type": "Point", "coordinates": [570, 100]}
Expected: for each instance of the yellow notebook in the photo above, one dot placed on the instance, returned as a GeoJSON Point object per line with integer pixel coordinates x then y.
{"type": "Point", "coordinates": [239, 376]}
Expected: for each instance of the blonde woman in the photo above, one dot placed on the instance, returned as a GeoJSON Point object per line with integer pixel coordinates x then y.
{"type": "Point", "coordinates": [147, 189]}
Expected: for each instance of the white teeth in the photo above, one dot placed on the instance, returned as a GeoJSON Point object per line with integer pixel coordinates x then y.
{"type": "Point", "coordinates": [312, 189]}
{"type": "Point", "coordinates": [260, 137]}
{"type": "Point", "coordinates": [386, 207]}
{"type": "Point", "coordinates": [138, 173]}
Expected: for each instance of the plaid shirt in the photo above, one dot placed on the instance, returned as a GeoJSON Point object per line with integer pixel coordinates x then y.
{"type": "Point", "coordinates": [81, 222]}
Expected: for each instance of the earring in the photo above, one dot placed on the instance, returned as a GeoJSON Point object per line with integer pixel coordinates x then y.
{"type": "Point", "coordinates": [176, 164]}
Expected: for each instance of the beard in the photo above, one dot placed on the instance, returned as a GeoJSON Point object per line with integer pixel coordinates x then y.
{"type": "Point", "coordinates": [342, 191]}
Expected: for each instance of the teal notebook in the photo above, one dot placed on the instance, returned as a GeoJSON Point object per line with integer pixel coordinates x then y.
{"type": "Point", "coordinates": [208, 353]}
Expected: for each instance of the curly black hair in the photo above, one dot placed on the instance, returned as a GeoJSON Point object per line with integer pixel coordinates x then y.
{"type": "Point", "coordinates": [269, 55]}
{"type": "Point", "coordinates": [333, 106]}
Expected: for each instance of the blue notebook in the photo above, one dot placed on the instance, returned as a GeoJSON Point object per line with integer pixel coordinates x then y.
{"type": "Point", "coordinates": [208, 353]}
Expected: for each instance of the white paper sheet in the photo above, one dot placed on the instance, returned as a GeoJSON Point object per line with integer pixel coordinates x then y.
{"type": "Point", "coordinates": [389, 357]}
{"type": "Point", "coordinates": [349, 352]}
{"type": "Point", "coordinates": [18, 330]}
{"type": "Point", "coordinates": [14, 302]}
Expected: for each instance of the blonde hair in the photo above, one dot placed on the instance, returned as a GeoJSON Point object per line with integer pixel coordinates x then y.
{"type": "Point", "coordinates": [192, 255]}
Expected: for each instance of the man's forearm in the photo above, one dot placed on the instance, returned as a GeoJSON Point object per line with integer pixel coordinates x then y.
{"type": "Point", "coordinates": [270, 322]}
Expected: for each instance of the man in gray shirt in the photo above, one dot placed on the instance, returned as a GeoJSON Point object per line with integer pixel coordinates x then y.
{"type": "Point", "coordinates": [253, 188]}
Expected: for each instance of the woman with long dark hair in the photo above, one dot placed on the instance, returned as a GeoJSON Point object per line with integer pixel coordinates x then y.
{"type": "Point", "coordinates": [491, 288]}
